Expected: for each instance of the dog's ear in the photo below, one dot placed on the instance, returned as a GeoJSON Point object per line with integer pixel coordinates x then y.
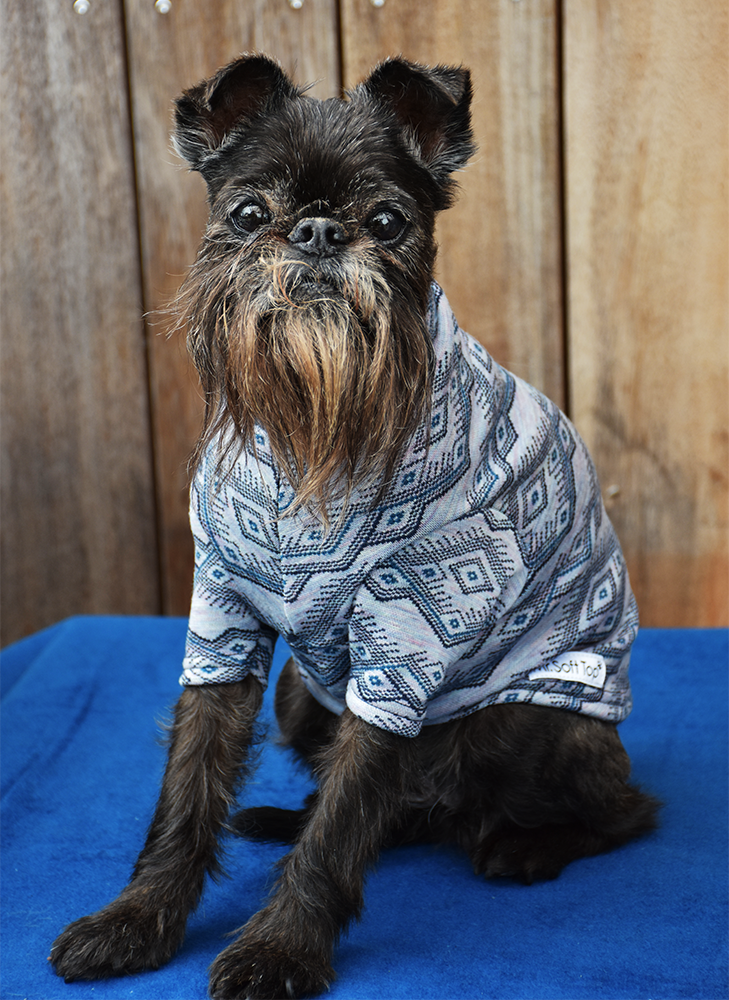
{"type": "Point", "coordinates": [432, 106]}
{"type": "Point", "coordinates": [239, 93]}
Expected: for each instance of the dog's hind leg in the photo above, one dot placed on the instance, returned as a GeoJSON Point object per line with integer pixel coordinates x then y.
{"type": "Point", "coordinates": [540, 853]}
{"type": "Point", "coordinates": [306, 727]}
{"type": "Point", "coordinates": [285, 949]}
{"type": "Point", "coordinates": [144, 926]}
{"type": "Point", "coordinates": [561, 792]}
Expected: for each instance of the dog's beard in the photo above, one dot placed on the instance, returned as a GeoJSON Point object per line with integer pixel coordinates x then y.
{"type": "Point", "coordinates": [333, 365]}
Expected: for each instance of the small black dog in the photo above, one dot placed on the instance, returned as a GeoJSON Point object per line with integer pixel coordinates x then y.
{"type": "Point", "coordinates": [424, 529]}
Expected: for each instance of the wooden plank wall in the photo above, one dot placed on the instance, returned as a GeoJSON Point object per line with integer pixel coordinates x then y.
{"type": "Point", "coordinates": [78, 514]}
{"type": "Point", "coordinates": [647, 116]}
{"type": "Point", "coordinates": [588, 252]}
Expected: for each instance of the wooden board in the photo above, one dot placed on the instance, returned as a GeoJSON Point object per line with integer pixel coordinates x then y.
{"type": "Point", "coordinates": [78, 527]}
{"type": "Point", "coordinates": [646, 126]}
{"type": "Point", "coordinates": [500, 259]}
{"type": "Point", "coordinates": [167, 53]}
{"type": "Point", "coordinates": [645, 119]}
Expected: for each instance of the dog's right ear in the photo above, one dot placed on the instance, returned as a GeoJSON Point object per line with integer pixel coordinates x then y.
{"type": "Point", "coordinates": [207, 114]}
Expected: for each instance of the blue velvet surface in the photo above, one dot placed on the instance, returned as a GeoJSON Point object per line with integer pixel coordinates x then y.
{"type": "Point", "coordinates": [81, 764]}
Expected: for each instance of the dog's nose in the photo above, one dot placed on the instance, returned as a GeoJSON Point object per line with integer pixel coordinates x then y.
{"type": "Point", "coordinates": [318, 236]}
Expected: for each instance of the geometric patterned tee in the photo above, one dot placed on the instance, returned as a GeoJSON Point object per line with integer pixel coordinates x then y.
{"type": "Point", "coordinates": [488, 572]}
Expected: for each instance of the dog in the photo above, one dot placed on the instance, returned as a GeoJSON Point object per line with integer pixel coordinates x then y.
{"type": "Point", "coordinates": [424, 529]}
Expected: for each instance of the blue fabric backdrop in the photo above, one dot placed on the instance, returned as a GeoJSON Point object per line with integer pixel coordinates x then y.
{"type": "Point", "coordinates": [81, 764]}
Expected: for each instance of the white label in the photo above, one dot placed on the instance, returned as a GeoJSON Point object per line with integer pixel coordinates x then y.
{"type": "Point", "coordinates": [582, 668]}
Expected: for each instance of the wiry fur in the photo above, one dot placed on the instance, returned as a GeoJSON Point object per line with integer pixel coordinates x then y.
{"type": "Point", "coordinates": [522, 789]}
{"type": "Point", "coordinates": [208, 756]}
{"type": "Point", "coordinates": [312, 324]}
{"type": "Point", "coordinates": [310, 355]}
{"type": "Point", "coordinates": [334, 361]}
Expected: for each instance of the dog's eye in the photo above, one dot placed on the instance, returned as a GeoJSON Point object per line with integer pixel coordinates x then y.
{"type": "Point", "coordinates": [250, 216]}
{"type": "Point", "coordinates": [387, 225]}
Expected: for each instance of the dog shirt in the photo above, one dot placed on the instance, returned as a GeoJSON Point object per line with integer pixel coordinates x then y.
{"type": "Point", "coordinates": [487, 572]}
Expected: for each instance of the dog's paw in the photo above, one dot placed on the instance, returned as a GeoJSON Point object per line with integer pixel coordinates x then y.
{"type": "Point", "coordinates": [530, 855]}
{"type": "Point", "coordinates": [116, 941]}
{"type": "Point", "coordinates": [253, 970]}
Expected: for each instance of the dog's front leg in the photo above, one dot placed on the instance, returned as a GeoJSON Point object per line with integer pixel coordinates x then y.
{"type": "Point", "coordinates": [285, 949]}
{"type": "Point", "coordinates": [144, 926]}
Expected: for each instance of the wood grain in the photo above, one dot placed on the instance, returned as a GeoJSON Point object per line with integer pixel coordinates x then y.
{"type": "Point", "coordinates": [501, 257]}
{"type": "Point", "coordinates": [78, 527]}
{"type": "Point", "coordinates": [168, 53]}
{"type": "Point", "coordinates": [646, 107]}
{"type": "Point", "coordinates": [646, 123]}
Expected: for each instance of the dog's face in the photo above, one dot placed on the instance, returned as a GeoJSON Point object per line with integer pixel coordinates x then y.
{"type": "Point", "coordinates": [305, 309]}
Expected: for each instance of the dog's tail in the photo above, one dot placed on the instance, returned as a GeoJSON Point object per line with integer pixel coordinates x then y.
{"type": "Point", "coordinates": [268, 823]}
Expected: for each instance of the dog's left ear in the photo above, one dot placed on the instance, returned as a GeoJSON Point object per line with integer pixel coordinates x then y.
{"type": "Point", "coordinates": [432, 106]}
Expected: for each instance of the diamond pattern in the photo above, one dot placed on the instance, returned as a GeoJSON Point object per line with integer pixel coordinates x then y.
{"type": "Point", "coordinates": [482, 562]}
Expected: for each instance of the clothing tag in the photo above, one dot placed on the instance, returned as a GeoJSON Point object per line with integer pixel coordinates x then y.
{"type": "Point", "coordinates": [582, 668]}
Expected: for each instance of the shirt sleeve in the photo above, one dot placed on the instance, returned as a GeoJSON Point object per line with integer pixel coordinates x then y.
{"type": "Point", "coordinates": [225, 640]}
